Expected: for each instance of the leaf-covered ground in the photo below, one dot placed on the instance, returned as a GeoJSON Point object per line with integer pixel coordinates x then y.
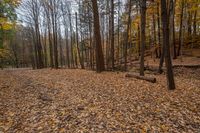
{"type": "Point", "coordinates": [84, 101]}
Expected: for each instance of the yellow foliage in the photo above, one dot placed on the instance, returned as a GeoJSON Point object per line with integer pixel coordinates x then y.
{"type": "Point", "coordinates": [7, 26]}
{"type": "Point", "coordinates": [5, 23]}
{"type": "Point", "coordinates": [2, 20]}
{"type": "Point", "coordinates": [13, 2]}
{"type": "Point", "coordinates": [4, 53]}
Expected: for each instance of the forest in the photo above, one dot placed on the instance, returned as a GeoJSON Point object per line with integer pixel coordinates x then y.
{"type": "Point", "coordinates": [100, 66]}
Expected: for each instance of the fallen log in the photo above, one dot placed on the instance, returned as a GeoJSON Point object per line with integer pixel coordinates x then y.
{"type": "Point", "coordinates": [149, 79]}
{"type": "Point", "coordinates": [152, 69]}
{"type": "Point", "coordinates": [187, 66]}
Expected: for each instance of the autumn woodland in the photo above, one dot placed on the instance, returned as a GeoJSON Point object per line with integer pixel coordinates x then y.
{"type": "Point", "coordinates": [95, 66]}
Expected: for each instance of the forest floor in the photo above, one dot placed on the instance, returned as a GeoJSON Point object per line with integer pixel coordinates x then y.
{"type": "Point", "coordinates": [84, 101]}
{"type": "Point", "coordinates": [184, 61]}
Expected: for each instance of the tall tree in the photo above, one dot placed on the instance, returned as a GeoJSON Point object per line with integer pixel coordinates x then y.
{"type": "Point", "coordinates": [35, 7]}
{"type": "Point", "coordinates": [54, 15]}
{"type": "Point", "coordinates": [154, 34]}
{"type": "Point", "coordinates": [99, 53]}
{"type": "Point", "coordinates": [112, 34]}
{"type": "Point", "coordinates": [165, 28]}
{"type": "Point", "coordinates": [48, 19]}
{"type": "Point", "coordinates": [158, 27]}
{"type": "Point", "coordinates": [127, 35]}
{"type": "Point", "coordinates": [181, 28]}
{"type": "Point", "coordinates": [172, 25]}
{"type": "Point", "coordinates": [142, 34]}
{"type": "Point", "coordinates": [77, 44]}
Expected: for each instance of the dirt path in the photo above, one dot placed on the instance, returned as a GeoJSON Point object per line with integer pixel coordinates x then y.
{"type": "Point", "coordinates": [83, 101]}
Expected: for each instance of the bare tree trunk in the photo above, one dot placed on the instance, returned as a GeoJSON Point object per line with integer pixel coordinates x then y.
{"type": "Point", "coordinates": [172, 24]}
{"type": "Point", "coordinates": [165, 23]}
{"type": "Point", "coordinates": [45, 49]}
{"type": "Point", "coordinates": [127, 33]}
{"type": "Point", "coordinates": [50, 46]}
{"type": "Point", "coordinates": [158, 21]}
{"type": "Point", "coordinates": [195, 23]}
{"type": "Point", "coordinates": [41, 64]}
{"type": "Point", "coordinates": [161, 47]}
{"type": "Point", "coordinates": [67, 48]}
{"type": "Point", "coordinates": [154, 34]}
{"type": "Point", "coordinates": [71, 40]}
{"type": "Point", "coordinates": [54, 27]}
{"type": "Point", "coordinates": [138, 38]}
{"type": "Point", "coordinates": [31, 57]}
{"type": "Point", "coordinates": [189, 24]}
{"type": "Point", "coordinates": [77, 43]}
{"type": "Point", "coordinates": [60, 46]}
{"type": "Point", "coordinates": [118, 34]}
{"type": "Point", "coordinates": [90, 45]}
{"type": "Point", "coordinates": [142, 35]}
{"type": "Point", "coordinates": [99, 53]}
{"type": "Point", "coordinates": [38, 46]}
{"type": "Point", "coordinates": [35, 47]}
{"type": "Point", "coordinates": [35, 12]}
{"type": "Point", "coordinates": [47, 10]}
{"type": "Point", "coordinates": [14, 48]}
{"type": "Point", "coordinates": [181, 28]}
{"type": "Point", "coordinates": [102, 31]}
{"type": "Point", "coordinates": [112, 35]}
{"type": "Point", "coordinates": [108, 34]}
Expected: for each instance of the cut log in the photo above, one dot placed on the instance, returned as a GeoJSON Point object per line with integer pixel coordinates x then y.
{"type": "Point", "coordinates": [149, 79]}
{"type": "Point", "coordinates": [187, 66]}
{"type": "Point", "coordinates": [152, 69]}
